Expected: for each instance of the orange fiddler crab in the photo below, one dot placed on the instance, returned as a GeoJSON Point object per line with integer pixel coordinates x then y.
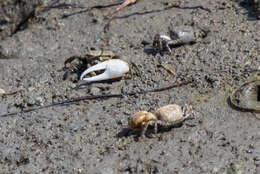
{"type": "Point", "coordinates": [168, 116]}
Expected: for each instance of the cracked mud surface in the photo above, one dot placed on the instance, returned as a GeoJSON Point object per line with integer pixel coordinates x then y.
{"type": "Point", "coordinates": [91, 136]}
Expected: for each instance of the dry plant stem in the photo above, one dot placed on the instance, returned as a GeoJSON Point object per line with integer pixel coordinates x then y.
{"type": "Point", "coordinates": [95, 97]}
{"type": "Point", "coordinates": [169, 69]}
{"type": "Point", "coordinates": [126, 3]}
{"type": "Point", "coordinates": [160, 122]}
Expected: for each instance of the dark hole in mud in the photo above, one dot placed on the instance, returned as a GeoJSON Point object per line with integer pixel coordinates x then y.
{"type": "Point", "coordinates": [258, 93]}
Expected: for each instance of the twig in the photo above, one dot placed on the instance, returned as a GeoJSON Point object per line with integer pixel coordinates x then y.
{"type": "Point", "coordinates": [95, 97]}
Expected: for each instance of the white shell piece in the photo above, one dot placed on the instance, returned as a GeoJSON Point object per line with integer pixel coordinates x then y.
{"type": "Point", "coordinates": [186, 36]}
{"type": "Point", "coordinates": [113, 69]}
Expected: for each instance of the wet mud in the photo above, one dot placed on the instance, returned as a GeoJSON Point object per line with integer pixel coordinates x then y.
{"type": "Point", "coordinates": [91, 136]}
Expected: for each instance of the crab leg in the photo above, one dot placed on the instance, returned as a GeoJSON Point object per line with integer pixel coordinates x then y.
{"type": "Point", "coordinates": [113, 69]}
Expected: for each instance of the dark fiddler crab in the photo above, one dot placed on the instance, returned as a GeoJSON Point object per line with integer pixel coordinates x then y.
{"type": "Point", "coordinates": [177, 37]}
{"type": "Point", "coordinates": [168, 116]}
{"type": "Point", "coordinates": [107, 65]}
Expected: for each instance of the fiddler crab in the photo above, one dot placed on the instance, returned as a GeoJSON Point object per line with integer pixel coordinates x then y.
{"type": "Point", "coordinates": [177, 37]}
{"type": "Point", "coordinates": [166, 116]}
{"type": "Point", "coordinates": [111, 67]}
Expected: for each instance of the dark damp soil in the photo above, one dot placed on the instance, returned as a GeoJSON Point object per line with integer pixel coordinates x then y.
{"type": "Point", "coordinates": [92, 136]}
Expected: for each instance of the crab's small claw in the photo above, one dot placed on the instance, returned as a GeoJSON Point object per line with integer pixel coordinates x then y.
{"type": "Point", "coordinates": [113, 69]}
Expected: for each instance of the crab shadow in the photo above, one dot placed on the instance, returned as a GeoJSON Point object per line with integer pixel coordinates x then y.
{"type": "Point", "coordinates": [125, 132]}
{"type": "Point", "coordinates": [151, 51]}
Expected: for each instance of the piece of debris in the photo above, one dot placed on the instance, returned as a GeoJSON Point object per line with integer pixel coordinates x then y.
{"type": "Point", "coordinates": [2, 92]}
{"type": "Point", "coordinates": [123, 5]}
{"type": "Point", "coordinates": [169, 68]}
{"type": "Point", "coordinates": [168, 116]}
{"type": "Point", "coordinates": [114, 68]}
{"type": "Point", "coordinates": [177, 37]}
{"type": "Point", "coordinates": [247, 97]}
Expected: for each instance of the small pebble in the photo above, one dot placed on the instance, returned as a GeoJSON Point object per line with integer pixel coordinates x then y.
{"type": "Point", "coordinates": [95, 91]}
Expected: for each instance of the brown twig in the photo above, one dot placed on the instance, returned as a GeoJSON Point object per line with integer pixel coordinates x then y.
{"type": "Point", "coordinates": [95, 97]}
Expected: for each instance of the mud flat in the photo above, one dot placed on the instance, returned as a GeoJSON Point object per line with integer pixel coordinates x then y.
{"type": "Point", "coordinates": [91, 136]}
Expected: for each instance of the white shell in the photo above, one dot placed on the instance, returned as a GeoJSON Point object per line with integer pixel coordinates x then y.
{"type": "Point", "coordinates": [170, 113]}
{"type": "Point", "coordinates": [114, 68]}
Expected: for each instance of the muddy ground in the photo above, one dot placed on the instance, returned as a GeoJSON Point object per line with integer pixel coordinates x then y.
{"type": "Point", "coordinates": [92, 136]}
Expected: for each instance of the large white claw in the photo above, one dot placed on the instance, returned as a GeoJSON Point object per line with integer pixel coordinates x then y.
{"type": "Point", "coordinates": [114, 68]}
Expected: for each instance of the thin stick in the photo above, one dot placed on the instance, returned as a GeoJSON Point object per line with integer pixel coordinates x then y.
{"type": "Point", "coordinates": [95, 97]}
